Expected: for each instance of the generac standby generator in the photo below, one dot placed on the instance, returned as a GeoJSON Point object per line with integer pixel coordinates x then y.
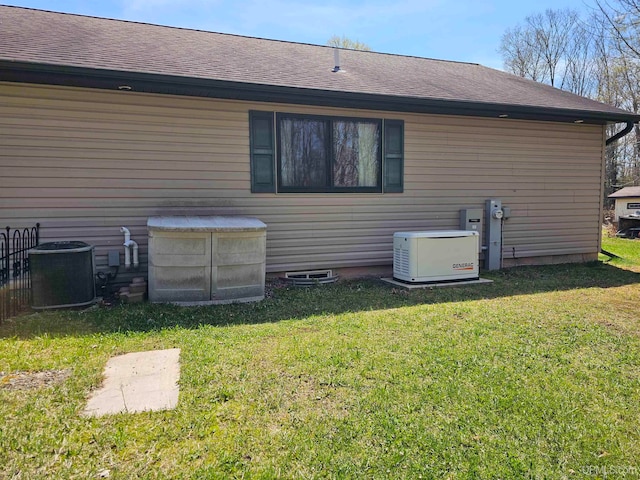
{"type": "Point", "coordinates": [435, 256]}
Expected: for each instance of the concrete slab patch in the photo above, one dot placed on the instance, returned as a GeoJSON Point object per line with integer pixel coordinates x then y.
{"type": "Point", "coordinates": [137, 382]}
{"type": "Point", "coordinates": [412, 286]}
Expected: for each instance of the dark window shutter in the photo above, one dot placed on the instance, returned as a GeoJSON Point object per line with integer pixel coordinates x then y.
{"type": "Point", "coordinates": [393, 156]}
{"type": "Point", "coordinates": [262, 152]}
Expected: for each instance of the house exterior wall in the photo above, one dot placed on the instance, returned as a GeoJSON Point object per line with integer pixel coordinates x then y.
{"type": "Point", "coordinates": [85, 162]}
{"type": "Point", "coordinates": [622, 204]}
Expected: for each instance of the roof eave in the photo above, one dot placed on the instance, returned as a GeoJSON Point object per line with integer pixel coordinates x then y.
{"type": "Point", "coordinates": [625, 195]}
{"type": "Point", "coordinates": [38, 73]}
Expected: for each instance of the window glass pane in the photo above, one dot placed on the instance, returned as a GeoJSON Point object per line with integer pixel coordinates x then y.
{"type": "Point", "coordinates": [303, 152]}
{"type": "Point", "coordinates": [356, 148]}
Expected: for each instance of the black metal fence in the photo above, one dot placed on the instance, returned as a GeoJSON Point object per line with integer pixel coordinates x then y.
{"type": "Point", "coordinates": [15, 280]}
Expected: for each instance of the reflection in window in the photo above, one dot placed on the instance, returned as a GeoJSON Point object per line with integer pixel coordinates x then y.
{"type": "Point", "coordinates": [303, 152]}
{"type": "Point", "coordinates": [356, 159]}
{"type": "Point", "coordinates": [323, 154]}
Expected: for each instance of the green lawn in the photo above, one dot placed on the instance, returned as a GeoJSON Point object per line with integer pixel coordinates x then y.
{"type": "Point", "coordinates": [534, 376]}
{"type": "Point", "coordinates": [627, 249]}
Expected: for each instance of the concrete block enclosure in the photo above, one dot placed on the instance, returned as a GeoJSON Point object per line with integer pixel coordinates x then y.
{"type": "Point", "coordinates": [206, 260]}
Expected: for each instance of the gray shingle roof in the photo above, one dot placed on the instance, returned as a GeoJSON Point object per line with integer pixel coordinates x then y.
{"type": "Point", "coordinates": [42, 37]}
{"type": "Point", "coordinates": [626, 192]}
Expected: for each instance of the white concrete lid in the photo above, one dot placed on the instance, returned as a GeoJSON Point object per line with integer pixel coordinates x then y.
{"type": "Point", "coordinates": [137, 382]}
{"type": "Point", "coordinates": [183, 223]}
{"type": "Point", "coordinates": [437, 234]}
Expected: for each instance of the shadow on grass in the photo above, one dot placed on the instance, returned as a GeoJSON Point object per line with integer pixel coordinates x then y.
{"type": "Point", "coordinates": [287, 303]}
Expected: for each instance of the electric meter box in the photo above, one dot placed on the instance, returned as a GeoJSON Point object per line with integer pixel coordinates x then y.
{"type": "Point", "coordinates": [437, 256]}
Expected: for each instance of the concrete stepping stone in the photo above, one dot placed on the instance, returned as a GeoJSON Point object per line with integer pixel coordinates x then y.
{"type": "Point", "coordinates": [137, 382]}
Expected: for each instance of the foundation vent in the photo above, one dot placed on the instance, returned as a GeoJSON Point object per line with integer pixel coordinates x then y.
{"type": "Point", "coordinates": [310, 278]}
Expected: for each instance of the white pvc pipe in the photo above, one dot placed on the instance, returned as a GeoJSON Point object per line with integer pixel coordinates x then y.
{"type": "Point", "coordinates": [127, 255]}
{"type": "Point", "coordinates": [127, 234]}
{"type": "Point", "coordinates": [131, 245]}
{"type": "Point", "coordinates": [135, 254]}
{"type": "Point", "coordinates": [127, 244]}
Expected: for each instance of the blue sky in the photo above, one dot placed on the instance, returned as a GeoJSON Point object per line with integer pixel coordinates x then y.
{"type": "Point", "coordinates": [463, 30]}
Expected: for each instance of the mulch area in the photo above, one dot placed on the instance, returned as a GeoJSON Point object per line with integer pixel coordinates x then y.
{"type": "Point", "coordinates": [32, 380]}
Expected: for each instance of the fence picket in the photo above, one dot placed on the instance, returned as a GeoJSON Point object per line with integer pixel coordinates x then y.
{"type": "Point", "coordinates": [15, 278]}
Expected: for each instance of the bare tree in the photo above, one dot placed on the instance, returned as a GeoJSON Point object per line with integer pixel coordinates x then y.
{"type": "Point", "coordinates": [520, 55]}
{"type": "Point", "coordinates": [580, 62]}
{"type": "Point", "coordinates": [621, 21]}
{"type": "Point", "coordinates": [608, 91]}
{"type": "Point", "coordinates": [345, 42]}
{"type": "Point", "coordinates": [552, 47]}
{"type": "Point", "coordinates": [598, 57]}
{"type": "Point", "coordinates": [553, 33]}
{"type": "Point", "coordinates": [623, 16]}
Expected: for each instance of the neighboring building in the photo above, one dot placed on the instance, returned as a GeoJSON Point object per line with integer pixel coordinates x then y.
{"type": "Point", "coordinates": [627, 202]}
{"type": "Point", "coordinates": [104, 123]}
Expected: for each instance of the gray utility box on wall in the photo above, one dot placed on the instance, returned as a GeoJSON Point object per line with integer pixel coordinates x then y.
{"type": "Point", "coordinates": [206, 260]}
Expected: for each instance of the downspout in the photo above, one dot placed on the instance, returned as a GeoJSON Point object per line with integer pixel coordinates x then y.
{"type": "Point", "coordinates": [608, 142]}
{"type": "Point", "coordinates": [620, 134]}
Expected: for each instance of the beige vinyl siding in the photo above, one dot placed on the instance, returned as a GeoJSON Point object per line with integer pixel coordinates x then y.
{"type": "Point", "coordinates": [85, 162]}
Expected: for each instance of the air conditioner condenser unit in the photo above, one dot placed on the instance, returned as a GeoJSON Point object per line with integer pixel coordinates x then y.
{"type": "Point", "coordinates": [437, 256]}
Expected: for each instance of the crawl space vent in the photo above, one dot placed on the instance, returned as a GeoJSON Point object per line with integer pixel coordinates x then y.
{"type": "Point", "coordinates": [309, 278]}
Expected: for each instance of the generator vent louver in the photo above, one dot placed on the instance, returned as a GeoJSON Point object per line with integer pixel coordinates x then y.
{"type": "Point", "coordinates": [401, 261]}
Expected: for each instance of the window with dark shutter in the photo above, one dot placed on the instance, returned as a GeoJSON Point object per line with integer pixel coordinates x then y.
{"type": "Point", "coordinates": [321, 154]}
